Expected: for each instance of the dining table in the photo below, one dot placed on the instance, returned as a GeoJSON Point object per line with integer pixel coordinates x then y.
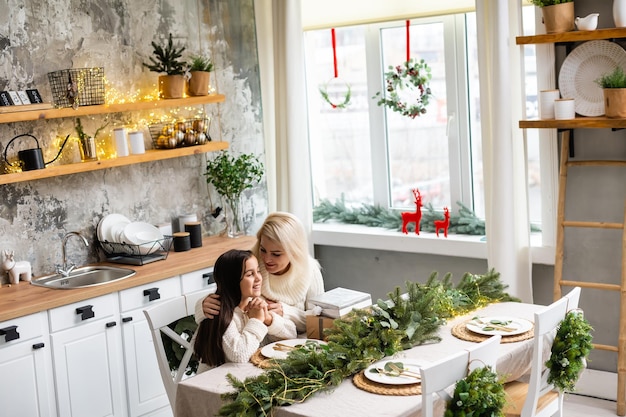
{"type": "Point", "coordinates": [200, 395]}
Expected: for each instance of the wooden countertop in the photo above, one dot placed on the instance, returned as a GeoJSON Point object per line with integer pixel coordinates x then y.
{"type": "Point", "coordinates": [23, 299]}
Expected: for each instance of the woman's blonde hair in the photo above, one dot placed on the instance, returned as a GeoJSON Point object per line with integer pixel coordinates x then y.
{"type": "Point", "coordinates": [286, 230]}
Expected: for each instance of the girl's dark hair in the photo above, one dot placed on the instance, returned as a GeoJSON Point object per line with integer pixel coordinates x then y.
{"type": "Point", "coordinates": [227, 272]}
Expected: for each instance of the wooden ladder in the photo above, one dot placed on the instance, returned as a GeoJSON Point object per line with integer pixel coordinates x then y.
{"type": "Point", "coordinates": [558, 264]}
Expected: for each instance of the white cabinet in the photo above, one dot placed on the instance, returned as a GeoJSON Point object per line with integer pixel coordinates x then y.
{"type": "Point", "coordinates": [26, 385]}
{"type": "Point", "coordinates": [198, 280]}
{"type": "Point", "coordinates": [145, 391]}
{"type": "Point", "coordinates": [87, 355]}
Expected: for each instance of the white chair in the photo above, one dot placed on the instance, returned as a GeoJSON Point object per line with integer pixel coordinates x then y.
{"type": "Point", "coordinates": [195, 297]}
{"type": "Point", "coordinates": [537, 398]}
{"type": "Point", "coordinates": [446, 372]}
{"type": "Point", "coordinates": [159, 316]}
{"type": "Point", "coordinates": [573, 297]}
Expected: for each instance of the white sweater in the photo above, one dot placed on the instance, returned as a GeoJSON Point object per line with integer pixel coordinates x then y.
{"type": "Point", "coordinates": [245, 335]}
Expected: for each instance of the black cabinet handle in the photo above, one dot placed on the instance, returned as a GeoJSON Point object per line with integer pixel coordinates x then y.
{"type": "Point", "coordinates": [111, 324]}
{"type": "Point", "coordinates": [152, 293]}
{"type": "Point", "coordinates": [38, 346]}
{"type": "Point", "coordinates": [127, 319]}
{"type": "Point", "coordinates": [208, 275]}
{"type": "Point", "coordinates": [9, 333]}
{"type": "Point", "coordinates": [85, 312]}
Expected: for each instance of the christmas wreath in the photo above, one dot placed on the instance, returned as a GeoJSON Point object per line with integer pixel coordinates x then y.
{"type": "Point", "coordinates": [341, 105]}
{"type": "Point", "coordinates": [479, 394]}
{"type": "Point", "coordinates": [570, 349]}
{"type": "Point", "coordinates": [410, 76]}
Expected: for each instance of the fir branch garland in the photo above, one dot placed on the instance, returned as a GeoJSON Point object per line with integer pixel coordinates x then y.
{"type": "Point", "coordinates": [359, 339]}
{"type": "Point", "coordinates": [570, 349]}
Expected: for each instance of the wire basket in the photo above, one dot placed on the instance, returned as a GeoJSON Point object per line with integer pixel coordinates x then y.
{"type": "Point", "coordinates": [187, 132]}
{"type": "Point", "coordinates": [77, 87]}
{"type": "Point", "coordinates": [126, 253]}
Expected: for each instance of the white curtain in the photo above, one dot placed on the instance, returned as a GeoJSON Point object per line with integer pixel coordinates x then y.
{"type": "Point", "coordinates": [504, 150]}
{"type": "Point", "coordinates": [281, 62]}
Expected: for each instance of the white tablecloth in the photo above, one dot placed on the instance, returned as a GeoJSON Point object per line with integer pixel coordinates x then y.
{"type": "Point", "coordinates": [199, 396]}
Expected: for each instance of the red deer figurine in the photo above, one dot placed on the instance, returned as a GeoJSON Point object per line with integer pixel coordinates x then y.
{"type": "Point", "coordinates": [408, 217]}
{"type": "Point", "coordinates": [443, 224]}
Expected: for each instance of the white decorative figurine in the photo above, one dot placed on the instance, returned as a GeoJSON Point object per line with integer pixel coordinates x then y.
{"type": "Point", "coordinates": [16, 270]}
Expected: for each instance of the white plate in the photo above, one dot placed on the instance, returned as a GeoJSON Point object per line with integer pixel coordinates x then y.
{"type": "Point", "coordinates": [519, 325]}
{"type": "Point", "coordinates": [269, 352]}
{"type": "Point", "coordinates": [139, 233]}
{"type": "Point", "coordinates": [106, 224]}
{"type": "Point", "coordinates": [580, 70]}
{"type": "Point", "coordinates": [412, 365]}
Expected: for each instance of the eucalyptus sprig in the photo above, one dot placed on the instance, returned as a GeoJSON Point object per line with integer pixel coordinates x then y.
{"type": "Point", "coordinates": [570, 349]}
{"type": "Point", "coordinates": [480, 394]}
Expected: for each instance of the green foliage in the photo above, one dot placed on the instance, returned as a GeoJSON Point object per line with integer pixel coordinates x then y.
{"type": "Point", "coordinates": [543, 3]}
{"type": "Point", "coordinates": [82, 136]}
{"type": "Point", "coordinates": [463, 223]}
{"type": "Point", "coordinates": [359, 339]}
{"type": "Point", "coordinates": [410, 75]}
{"type": "Point", "coordinates": [232, 175]}
{"type": "Point", "coordinates": [200, 63]}
{"type": "Point", "coordinates": [343, 104]}
{"type": "Point", "coordinates": [570, 349]}
{"type": "Point", "coordinates": [185, 327]}
{"type": "Point", "coordinates": [167, 58]}
{"type": "Point", "coordinates": [613, 79]}
{"type": "Point", "coordinates": [480, 394]}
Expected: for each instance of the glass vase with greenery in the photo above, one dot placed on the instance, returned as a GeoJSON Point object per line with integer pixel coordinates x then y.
{"type": "Point", "coordinates": [231, 175]}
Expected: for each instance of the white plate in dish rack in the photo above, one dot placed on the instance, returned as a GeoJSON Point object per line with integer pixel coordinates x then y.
{"type": "Point", "coordinates": [105, 226]}
{"type": "Point", "coordinates": [580, 70]}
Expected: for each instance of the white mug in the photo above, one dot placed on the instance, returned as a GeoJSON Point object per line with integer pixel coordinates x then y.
{"type": "Point", "coordinates": [564, 109]}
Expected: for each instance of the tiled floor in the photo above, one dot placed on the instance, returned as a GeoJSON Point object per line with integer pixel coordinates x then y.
{"type": "Point", "coordinates": [581, 406]}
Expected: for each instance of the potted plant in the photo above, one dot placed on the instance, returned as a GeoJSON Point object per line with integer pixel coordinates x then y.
{"type": "Point", "coordinates": [87, 143]}
{"type": "Point", "coordinates": [613, 86]}
{"type": "Point", "coordinates": [558, 15]}
{"type": "Point", "coordinates": [200, 69]}
{"type": "Point", "coordinates": [167, 60]}
{"type": "Point", "coordinates": [230, 176]}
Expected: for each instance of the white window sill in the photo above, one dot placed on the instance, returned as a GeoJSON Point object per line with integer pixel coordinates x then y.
{"type": "Point", "coordinates": [462, 246]}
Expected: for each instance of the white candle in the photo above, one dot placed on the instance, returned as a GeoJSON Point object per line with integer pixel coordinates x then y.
{"type": "Point", "coordinates": [121, 143]}
{"type": "Point", "coordinates": [136, 143]}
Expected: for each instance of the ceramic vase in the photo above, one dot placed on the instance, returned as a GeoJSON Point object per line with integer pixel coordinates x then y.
{"type": "Point", "coordinates": [619, 13]}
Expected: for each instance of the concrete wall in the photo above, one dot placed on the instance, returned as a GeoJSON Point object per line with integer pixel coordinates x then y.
{"type": "Point", "coordinates": [38, 37]}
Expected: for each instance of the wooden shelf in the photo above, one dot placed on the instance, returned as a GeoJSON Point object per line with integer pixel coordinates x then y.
{"type": "Point", "coordinates": [151, 155]}
{"type": "Point", "coordinates": [575, 36]}
{"type": "Point", "coordinates": [21, 115]}
{"type": "Point", "coordinates": [600, 122]}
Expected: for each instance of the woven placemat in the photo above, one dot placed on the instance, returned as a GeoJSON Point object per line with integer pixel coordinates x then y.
{"type": "Point", "coordinates": [461, 331]}
{"type": "Point", "coordinates": [374, 387]}
{"type": "Point", "coordinates": [261, 361]}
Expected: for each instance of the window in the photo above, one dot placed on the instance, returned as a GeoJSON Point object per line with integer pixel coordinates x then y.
{"type": "Point", "coordinates": [370, 154]}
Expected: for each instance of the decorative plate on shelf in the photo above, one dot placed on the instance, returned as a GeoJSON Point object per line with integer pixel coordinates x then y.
{"type": "Point", "coordinates": [580, 70]}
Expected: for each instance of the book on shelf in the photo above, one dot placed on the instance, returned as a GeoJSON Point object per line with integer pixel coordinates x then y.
{"type": "Point", "coordinates": [340, 301]}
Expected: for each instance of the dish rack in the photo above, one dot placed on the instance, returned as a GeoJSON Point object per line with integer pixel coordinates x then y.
{"type": "Point", "coordinates": [125, 253]}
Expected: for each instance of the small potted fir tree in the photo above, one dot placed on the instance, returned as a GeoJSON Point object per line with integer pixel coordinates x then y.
{"type": "Point", "coordinates": [613, 86]}
{"type": "Point", "coordinates": [200, 69]}
{"type": "Point", "coordinates": [167, 60]}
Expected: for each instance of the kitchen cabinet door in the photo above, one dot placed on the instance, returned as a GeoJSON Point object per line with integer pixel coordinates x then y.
{"type": "Point", "coordinates": [145, 390]}
{"type": "Point", "coordinates": [26, 385]}
{"type": "Point", "coordinates": [87, 355]}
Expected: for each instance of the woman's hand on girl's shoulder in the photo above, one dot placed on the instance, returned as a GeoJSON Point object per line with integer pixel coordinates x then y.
{"type": "Point", "coordinates": [211, 305]}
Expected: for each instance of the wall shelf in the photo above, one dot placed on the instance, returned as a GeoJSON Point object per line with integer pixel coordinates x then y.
{"type": "Point", "coordinates": [577, 123]}
{"type": "Point", "coordinates": [574, 36]}
{"type": "Point", "coordinates": [150, 155]}
{"type": "Point", "coordinates": [27, 115]}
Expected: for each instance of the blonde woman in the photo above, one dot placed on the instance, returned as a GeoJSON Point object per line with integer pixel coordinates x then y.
{"type": "Point", "coordinates": [290, 274]}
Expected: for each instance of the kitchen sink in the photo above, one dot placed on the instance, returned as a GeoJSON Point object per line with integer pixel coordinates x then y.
{"type": "Point", "coordinates": [86, 276]}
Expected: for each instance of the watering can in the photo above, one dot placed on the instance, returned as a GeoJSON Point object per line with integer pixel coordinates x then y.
{"type": "Point", "coordinates": [31, 159]}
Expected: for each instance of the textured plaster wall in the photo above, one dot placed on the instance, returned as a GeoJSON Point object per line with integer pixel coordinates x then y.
{"type": "Point", "coordinates": [38, 37]}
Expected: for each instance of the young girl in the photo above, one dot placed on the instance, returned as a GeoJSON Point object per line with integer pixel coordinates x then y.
{"type": "Point", "coordinates": [290, 274]}
{"type": "Point", "coordinates": [244, 320]}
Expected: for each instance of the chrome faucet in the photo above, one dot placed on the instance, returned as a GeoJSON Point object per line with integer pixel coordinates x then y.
{"type": "Point", "coordinates": [64, 270]}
